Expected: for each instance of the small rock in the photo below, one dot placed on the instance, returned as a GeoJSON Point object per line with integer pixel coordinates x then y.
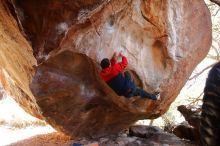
{"type": "Point", "coordinates": [121, 143]}
{"type": "Point", "coordinates": [103, 140]}
{"type": "Point", "coordinates": [124, 135]}
{"type": "Point", "coordinates": [144, 131]}
{"type": "Point", "coordinates": [138, 142]}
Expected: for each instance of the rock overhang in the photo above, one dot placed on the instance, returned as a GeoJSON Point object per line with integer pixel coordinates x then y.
{"type": "Point", "coordinates": [158, 37]}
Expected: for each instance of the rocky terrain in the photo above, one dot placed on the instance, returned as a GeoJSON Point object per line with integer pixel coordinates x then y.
{"type": "Point", "coordinates": [136, 136]}
{"type": "Point", "coordinates": [50, 53]}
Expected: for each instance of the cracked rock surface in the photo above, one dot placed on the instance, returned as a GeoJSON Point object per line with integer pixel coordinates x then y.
{"type": "Point", "coordinates": [50, 52]}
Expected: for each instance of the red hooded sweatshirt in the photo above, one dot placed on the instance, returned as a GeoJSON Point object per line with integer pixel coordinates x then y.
{"type": "Point", "coordinates": [115, 68]}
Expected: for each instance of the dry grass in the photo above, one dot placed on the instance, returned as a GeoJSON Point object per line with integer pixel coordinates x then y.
{"type": "Point", "coordinates": [2, 122]}
{"type": "Point", "coordinates": [24, 124]}
{"type": "Point", "coordinates": [20, 124]}
{"type": "Point", "coordinates": [51, 139]}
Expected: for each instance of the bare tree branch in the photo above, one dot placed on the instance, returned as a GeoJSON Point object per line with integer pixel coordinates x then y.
{"type": "Point", "coordinates": [213, 57]}
{"type": "Point", "coordinates": [210, 4]}
{"type": "Point", "coordinates": [216, 12]}
{"type": "Point", "coordinates": [199, 73]}
{"type": "Point", "coordinates": [217, 53]}
{"type": "Point", "coordinates": [151, 122]}
{"type": "Point", "coordinates": [216, 2]}
{"type": "Point", "coordinates": [196, 100]}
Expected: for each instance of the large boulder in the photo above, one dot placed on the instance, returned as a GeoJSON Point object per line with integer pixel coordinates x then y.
{"type": "Point", "coordinates": [50, 57]}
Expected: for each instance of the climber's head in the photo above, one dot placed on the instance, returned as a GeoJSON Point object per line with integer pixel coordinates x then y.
{"type": "Point", "coordinates": [105, 63]}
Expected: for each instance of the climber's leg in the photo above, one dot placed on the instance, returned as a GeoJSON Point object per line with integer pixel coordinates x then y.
{"type": "Point", "coordinates": [128, 76]}
{"type": "Point", "coordinates": [144, 94]}
{"type": "Point", "coordinates": [130, 86]}
{"type": "Point", "coordinates": [135, 91]}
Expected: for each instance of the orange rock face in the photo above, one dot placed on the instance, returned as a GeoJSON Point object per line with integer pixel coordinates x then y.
{"type": "Point", "coordinates": [163, 41]}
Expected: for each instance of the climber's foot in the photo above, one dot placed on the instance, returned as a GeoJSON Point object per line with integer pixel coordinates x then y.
{"type": "Point", "coordinates": [157, 94]}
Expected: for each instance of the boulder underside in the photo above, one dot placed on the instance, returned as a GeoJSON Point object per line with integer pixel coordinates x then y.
{"type": "Point", "coordinates": [50, 53]}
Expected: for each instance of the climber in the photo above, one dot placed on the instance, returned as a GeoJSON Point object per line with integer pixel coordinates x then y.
{"type": "Point", "coordinates": [122, 83]}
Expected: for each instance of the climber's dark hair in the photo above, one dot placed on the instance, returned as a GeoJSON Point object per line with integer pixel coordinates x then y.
{"type": "Point", "coordinates": [105, 63]}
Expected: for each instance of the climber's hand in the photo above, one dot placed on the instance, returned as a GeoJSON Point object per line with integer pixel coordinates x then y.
{"type": "Point", "coordinates": [121, 53]}
{"type": "Point", "coordinates": [115, 56]}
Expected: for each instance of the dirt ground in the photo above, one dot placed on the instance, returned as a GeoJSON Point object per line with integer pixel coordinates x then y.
{"type": "Point", "coordinates": [52, 139]}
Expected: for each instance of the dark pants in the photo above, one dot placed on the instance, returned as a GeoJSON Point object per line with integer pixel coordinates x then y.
{"type": "Point", "coordinates": [135, 91]}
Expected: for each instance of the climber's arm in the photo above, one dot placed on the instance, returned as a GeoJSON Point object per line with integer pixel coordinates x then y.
{"type": "Point", "coordinates": [121, 65]}
{"type": "Point", "coordinates": [114, 58]}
